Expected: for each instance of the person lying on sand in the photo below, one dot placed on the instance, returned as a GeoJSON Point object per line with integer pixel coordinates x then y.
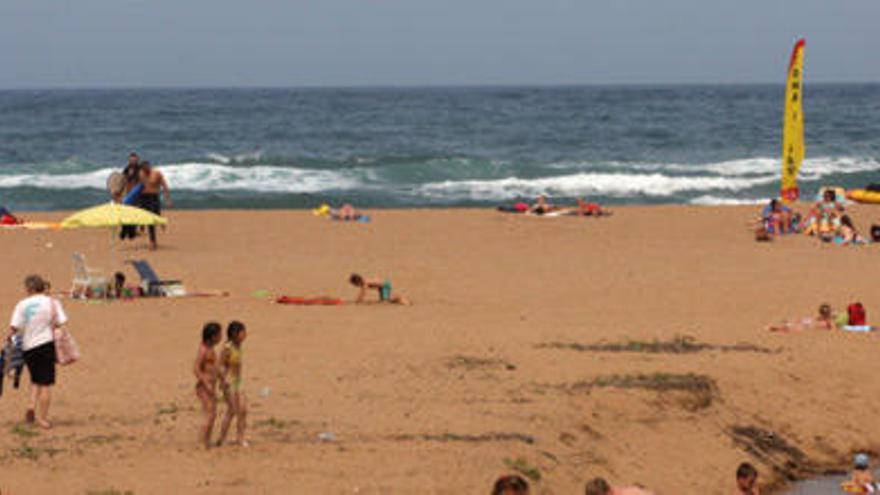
{"type": "Point", "coordinates": [511, 485]}
{"type": "Point", "coordinates": [746, 480]}
{"type": "Point", "coordinates": [207, 374]}
{"type": "Point", "coordinates": [542, 207]}
{"type": "Point", "coordinates": [382, 288]}
{"type": "Point", "coordinates": [598, 486]}
{"type": "Point", "coordinates": [589, 209]}
{"type": "Point", "coordinates": [824, 321]}
{"type": "Point", "coordinates": [344, 212]}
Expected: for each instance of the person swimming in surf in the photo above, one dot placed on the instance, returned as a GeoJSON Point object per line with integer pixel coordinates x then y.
{"type": "Point", "coordinates": [382, 288]}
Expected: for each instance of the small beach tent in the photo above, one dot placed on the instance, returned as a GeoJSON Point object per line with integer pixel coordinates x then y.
{"type": "Point", "coordinates": [111, 215]}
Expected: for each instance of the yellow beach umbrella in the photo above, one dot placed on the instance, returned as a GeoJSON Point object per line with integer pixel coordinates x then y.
{"type": "Point", "coordinates": [111, 215]}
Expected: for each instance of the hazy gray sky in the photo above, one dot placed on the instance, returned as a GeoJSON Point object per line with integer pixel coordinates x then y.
{"type": "Point", "coordinates": [98, 43]}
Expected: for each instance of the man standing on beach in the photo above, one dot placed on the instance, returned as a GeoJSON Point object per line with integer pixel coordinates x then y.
{"type": "Point", "coordinates": [131, 173]}
{"type": "Point", "coordinates": [153, 182]}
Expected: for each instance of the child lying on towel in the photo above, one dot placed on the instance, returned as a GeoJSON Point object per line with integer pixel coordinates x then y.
{"type": "Point", "coordinates": [824, 321]}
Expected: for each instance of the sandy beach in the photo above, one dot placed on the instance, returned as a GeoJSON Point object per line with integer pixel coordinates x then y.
{"type": "Point", "coordinates": [527, 347]}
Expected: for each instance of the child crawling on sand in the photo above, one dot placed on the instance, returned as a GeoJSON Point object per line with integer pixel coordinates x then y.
{"type": "Point", "coordinates": [233, 389]}
{"type": "Point", "coordinates": [382, 288]}
{"type": "Point", "coordinates": [207, 374]}
{"type": "Point", "coordinates": [823, 321]}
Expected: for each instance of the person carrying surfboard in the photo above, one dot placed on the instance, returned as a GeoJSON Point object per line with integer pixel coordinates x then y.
{"type": "Point", "coordinates": [131, 177]}
{"type": "Point", "coordinates": [153, 182]}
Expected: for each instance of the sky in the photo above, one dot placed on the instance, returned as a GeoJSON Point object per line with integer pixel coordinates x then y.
{"type": "Point", "coordinates": [291, 43]}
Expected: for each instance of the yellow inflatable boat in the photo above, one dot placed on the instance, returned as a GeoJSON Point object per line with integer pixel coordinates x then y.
{"type": "Point", "coordinates": [863, 196]}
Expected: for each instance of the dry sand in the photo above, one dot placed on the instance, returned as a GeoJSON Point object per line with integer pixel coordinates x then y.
{"type": "Point", "coordinates": [443, 396]}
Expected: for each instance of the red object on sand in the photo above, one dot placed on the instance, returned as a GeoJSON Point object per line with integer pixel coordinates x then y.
{"type": "Point", "coordinates": [856, 313]}
{"type": "Point", "coordinates": [9, 220]}
{"type": "Point", "coordinates": [310, 301]}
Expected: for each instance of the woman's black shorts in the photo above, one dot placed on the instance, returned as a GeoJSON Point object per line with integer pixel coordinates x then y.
{"type": "Point", "coordinates": [40, 363]}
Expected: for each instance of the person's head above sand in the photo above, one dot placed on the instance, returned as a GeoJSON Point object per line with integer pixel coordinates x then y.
{"type": "Point", "coordinates": [746, 480]}
{"type": "Point", "coordinates": [510, 485]}
{"type": "Point", "coordinates": [598, 486]}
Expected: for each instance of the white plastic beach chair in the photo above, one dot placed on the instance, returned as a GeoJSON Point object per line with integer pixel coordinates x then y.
{"type": "Point", "coordinates": [85, 278]}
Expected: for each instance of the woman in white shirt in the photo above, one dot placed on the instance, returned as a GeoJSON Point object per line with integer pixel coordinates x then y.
{"type": "Point", "coordinates": [36, 317]}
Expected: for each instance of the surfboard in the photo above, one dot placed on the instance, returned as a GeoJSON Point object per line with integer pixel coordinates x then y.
{"type": "Point", "coordinates": [133, 195]}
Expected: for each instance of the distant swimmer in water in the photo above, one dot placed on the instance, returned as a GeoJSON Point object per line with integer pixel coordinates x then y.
{"type": "Point", "coordinates": [382, 288]}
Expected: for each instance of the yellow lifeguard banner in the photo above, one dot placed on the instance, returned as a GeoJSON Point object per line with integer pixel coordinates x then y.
{"type": "Point", "coordinates": [793, 125]}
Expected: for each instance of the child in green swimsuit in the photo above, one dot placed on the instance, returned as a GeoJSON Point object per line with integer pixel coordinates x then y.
{"type": "Point", "coordinates": [233, 391]}
{"type": "Point", "coordinates": [382, 287]}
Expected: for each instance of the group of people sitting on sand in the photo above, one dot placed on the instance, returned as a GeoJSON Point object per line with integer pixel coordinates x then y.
{"type": "Point", "coordinates": [827, 220]}
{"type": "Point", "coordinates": [853, 320]}
{"type": "Point", "coordinates": [746, 483]}
{"type": "Point", "coordinates": [541, 206]}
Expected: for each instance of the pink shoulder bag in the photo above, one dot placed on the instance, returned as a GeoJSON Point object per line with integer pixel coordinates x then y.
{"type": "Point", "coordinates": [66, 349]}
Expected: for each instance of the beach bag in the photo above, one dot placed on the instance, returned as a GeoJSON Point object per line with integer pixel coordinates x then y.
{"type": "Point", "coordinates": [66, 348]}
{"type": "Point", "coordinates": [856, 314]}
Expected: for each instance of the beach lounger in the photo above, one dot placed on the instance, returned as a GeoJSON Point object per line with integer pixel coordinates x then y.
{"type": "Point", "coordinates": [152, 285]}
{"type": "Point", "coordinates": [87, 279]}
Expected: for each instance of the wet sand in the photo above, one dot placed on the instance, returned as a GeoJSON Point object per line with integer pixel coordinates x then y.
{"type": "Point", "coordinates": [531, 343]}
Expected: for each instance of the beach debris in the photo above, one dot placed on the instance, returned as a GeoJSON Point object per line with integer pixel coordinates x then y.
{"type": "Point", "coordinates": [772, 449]}
{"type": "Point", "coordinates": [468, 438]}
{"type": "Point", "coordinates": [265, 392]}
{"type": "Point", "coordinates": [523, 467]}
{"type": "Point", "coordinates": [261, 294]}
{"type": "Point", "coordinates": [680, 344]}
{"type": "Point", "coordinates": [694, 392]}
{"type": "Point", "coordinates": [327, 436]}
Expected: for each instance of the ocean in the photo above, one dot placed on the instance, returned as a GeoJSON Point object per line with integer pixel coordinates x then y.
{"type": "Point", "coordinates": [432, 147]}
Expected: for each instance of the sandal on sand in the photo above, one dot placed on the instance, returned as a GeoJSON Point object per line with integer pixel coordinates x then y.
{"type": "Point", "coordinates": [29, 416]}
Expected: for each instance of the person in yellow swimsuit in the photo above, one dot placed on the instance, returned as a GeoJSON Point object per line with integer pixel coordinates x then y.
{"type": "Point", "coordinates": [233, 391]}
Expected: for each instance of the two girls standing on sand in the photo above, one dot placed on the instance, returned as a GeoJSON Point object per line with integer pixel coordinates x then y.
{"type": "Point", "coordinates": [226, 369]}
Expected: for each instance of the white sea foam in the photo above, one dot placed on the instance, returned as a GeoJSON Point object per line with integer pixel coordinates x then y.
{"type": "Point", "coordinates": [204, 177]}
{"type": "Point", "coordinates": [812, 169]}
{"type": "Point", "coordinates": [618, 185]}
